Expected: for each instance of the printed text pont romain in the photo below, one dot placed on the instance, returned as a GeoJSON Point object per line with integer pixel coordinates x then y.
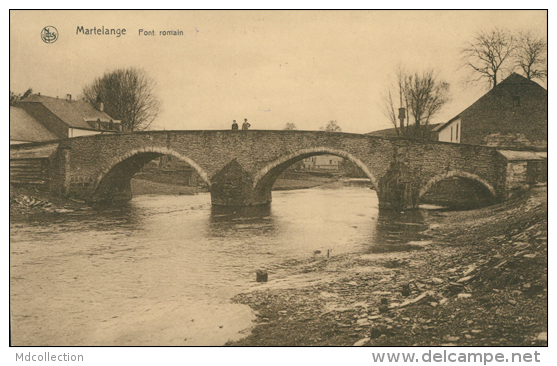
{"type": "Point", "coordinates": [177, 32]}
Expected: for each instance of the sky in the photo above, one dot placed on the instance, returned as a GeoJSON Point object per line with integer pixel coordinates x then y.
{"type": "Point", "coordinates": [271, 67]}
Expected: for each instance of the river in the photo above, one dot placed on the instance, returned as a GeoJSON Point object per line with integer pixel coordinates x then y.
{"type": "Point", "coordinates": [160, 270]}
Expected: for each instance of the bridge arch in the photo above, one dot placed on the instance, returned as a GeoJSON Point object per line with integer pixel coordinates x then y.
{"type": "Point", "coordinates": [126, 160]}
{"type": "Point", "coordinates": [265, 177]}
{"type": "Point", "coordinates": [457, 173]}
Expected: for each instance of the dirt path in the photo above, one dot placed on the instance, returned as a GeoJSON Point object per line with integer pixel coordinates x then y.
{"type": "Point", "coordinates": [478, 278]}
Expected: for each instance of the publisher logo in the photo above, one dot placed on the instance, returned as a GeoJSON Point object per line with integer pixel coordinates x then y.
{"type": "Point", "coordinates": [49, 34]}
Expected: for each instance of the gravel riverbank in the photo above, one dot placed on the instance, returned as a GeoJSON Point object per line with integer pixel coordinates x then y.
{"type": "Point", "coordinates": [477, 278]}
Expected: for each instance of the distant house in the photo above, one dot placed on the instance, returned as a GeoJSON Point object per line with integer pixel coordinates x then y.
{"type": "Point", "coordinates": [511, 115]}
{"type": "Point", "coordinates": [58, 118]}
{"type": "Point", "coordinates": [322, 162]}
{"type": "Point", "coordinates": [170, 166]}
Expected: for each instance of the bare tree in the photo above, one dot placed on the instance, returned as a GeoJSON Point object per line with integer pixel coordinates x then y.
{"type": "Point", "coordinates": [397, 90]}
{"type": "Point", "coordinates": [531, 55]}
{"type": "Point", "coordinates": [127, 95]}
{"type": "Point", "coordinates": [332, 126]}
{"type": "Point", "coordinates": [488, 55]}
{"type": "Point", "coordinates": [389, 110]}
{"type": "Point", "coordinates": [421, 94]}
{"type": "Point", "coordinates": [426, 95]}
{"type": "Point", "coordinates": [289, 126]}
{"type": "Point", "coordinates": [14, 98]}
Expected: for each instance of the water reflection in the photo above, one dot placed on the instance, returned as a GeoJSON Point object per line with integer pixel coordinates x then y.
{"type": "Point", "coordinates": [230, 214]}
{"type": "Point", "coordinates": [250, 220]}
{"type": "Point", "coordinates": [395, 229]}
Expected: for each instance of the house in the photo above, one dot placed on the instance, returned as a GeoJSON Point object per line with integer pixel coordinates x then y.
{"type": "Point", "coordinates": [449, 132]}
{"type": "Point", "coordinates": [512, 115]}
{"type": "Point", "coordinates": [322, 162]}
{"type": "Point", "coordinates": [39, 118]}
{"type": "Point", "coordinates": [61, 118]}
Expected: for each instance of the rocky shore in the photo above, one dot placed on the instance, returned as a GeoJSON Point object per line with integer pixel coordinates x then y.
{"type": "Point", "coordinates": [25, 202]}
{"type": "Point", "coordinates": [477, 278]}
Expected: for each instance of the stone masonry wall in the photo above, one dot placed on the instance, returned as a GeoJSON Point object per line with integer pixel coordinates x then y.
{"type": "Point", "coordinates": [260, 156]}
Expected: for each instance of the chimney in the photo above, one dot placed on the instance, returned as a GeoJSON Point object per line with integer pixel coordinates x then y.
{"type": "Point", "coordinates": [69, 97]}
{"type": "Point", "coordinates": [99, 103]}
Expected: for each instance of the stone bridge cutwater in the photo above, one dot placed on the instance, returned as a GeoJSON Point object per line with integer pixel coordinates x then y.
{"type": "Point", "coordinates": [240, 167]}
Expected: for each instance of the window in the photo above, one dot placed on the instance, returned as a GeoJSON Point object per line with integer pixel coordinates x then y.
{"type": "Point", "coordinates": [451, 133]}
{"type": "Point", "coordinates": [457, 125]}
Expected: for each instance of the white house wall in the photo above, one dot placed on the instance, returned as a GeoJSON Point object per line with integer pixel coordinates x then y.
{"type": "Point", "coordinates": [75, 132]}
{"type": "Point", "coordinates": [451, 132]}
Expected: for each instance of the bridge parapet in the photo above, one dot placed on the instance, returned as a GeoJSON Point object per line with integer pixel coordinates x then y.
{"type": "Point", "coordinates": [240, 167]}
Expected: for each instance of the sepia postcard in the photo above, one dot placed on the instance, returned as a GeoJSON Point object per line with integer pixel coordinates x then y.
{"type": "Point", "coordinates": [279, 178]}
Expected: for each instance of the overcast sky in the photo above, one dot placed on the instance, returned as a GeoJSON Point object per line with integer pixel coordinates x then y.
{"type": "Point", "coordinates": [271, 67]}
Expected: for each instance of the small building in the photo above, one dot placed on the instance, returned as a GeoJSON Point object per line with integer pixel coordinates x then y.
{"type": "Point", "coordinates": [62, 118]}
{"type": "Point", "coordinates": [29, 166]}
{"type": "Point", "coordinates": [322, 162]}
{"type": "Point", "coordinates": [511, 115]}
{"type": "Point", "coordinates": [524, 168]}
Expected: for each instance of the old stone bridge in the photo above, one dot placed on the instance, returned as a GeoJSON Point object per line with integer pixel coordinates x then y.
{"type": "Point", "coordinates": [240, 167]}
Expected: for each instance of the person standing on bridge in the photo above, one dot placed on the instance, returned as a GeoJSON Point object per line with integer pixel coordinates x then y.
{"type": "Point", "coordinates": [234, 125]}
{"type": "Point", "coordinates": [246, 125]}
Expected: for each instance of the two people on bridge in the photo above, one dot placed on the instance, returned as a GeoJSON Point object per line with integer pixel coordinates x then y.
{"type": "Point", "coordinates": [245, 125]}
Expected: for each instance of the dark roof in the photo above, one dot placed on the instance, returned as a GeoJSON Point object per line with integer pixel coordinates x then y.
{"type": "Point", "coordinates": [391, 132]}
{"type": "Point", "coordinates": [517, 79]}
{"type": "Point", "coordinates": [496, 112]}
{"type": "Point", "coordinates": [23, 127]}
{"type": "Point", "coordinates": [441, 126]}
{"type": "Point", "coordinates": [74, 113]}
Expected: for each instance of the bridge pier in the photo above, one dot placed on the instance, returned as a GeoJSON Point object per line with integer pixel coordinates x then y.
{"type": "Point", "coordinates": [399, 190]}
{"type": "Point", "coordinates": [401, 196]}
{"type": "Point", "coordinates": [119, 191]}
{"type": "Point", "coordinates": [233, 186]}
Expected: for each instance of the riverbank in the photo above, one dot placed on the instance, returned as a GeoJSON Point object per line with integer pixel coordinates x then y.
{"type": "Point", "coordinates": [476, 278]}
{"type": "Point", "coordinates": [25, 202]}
